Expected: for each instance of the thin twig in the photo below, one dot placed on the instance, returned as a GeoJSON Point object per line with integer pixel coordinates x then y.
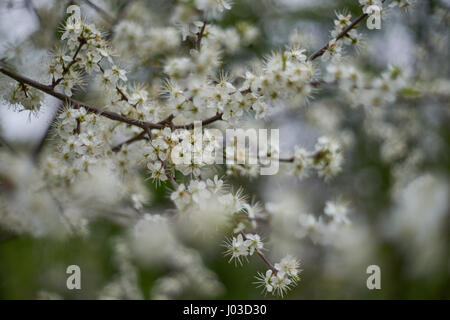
{"type": "Point", "coordinates": [105, 113]}
{"type": "Point", "coordinates": [77, 104]}
{"type": "Point", "coordinates": [140, 136]}
{"type": "Point", "coordinates": [171, 177]}
{"type": "Point", "coordinates": [205, 122]}
{"type": "Point", "coordinates": [262, 256]}
{"type": "Point", "coordinates": [200, 35]}
{"type": "Point", "coordinates": [122, 94]}
{"type": "Point", "coordinates": [114, 22]}
{"type": "Point", "coordinates": [40, 144]}
{"type": "Point", "coordinates": [70, 65]}
{"type": "Point", "coordinates": [167, 120]}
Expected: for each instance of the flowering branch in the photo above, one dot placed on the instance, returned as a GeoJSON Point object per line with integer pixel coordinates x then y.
{"type": "Point", "coordinates": [66, 69]}
{"type": "Point", "coordinates": [113, 22]}
{"type": "Point", "coordinates": [77, 104]}
{"type": "Point", "coordinates": [344, 33]}
{"type": "Point", "coordinates": [200, 34]}
{"type": "Point", "coordinates": [105, 113]}
{"type": "Point", "coordinates": [262, 256]}
{"type": "Point", "coordinates": [166, 170]}
{"type": "Point", "coordinates": [140, 136]}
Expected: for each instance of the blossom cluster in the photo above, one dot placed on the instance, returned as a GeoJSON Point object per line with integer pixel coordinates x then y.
{"type": "Point", "coordinates": [210, 206]}
{"type": "Point", "coordinates": [334, 50]}
{"type": "Point", "coordinates": [187, 151]}
{"type": "Point", "coordinates": [323, 229]}
{"type": "Point", "coordinates": [377, 92]}
{"type": "Point", "coordinates": [282, 277]}
{"type": "Point", "coordinates": [240, 247]}
{"type": "Point", "coordinates": [141, 42]}
{"type": "Point", "coordinates": [326, 159]}
{"type": "Point", "coordinates": [28, 98]}
{"type": "Point", "coordinates": [279, 278]}
{"type": "Point", "coordinates": [287, 75]}
{"type": "Point", "coordinates": [84, 52]}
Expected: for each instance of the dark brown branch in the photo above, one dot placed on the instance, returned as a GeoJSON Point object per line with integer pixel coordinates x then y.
{"type": "Point", "coordinates": [140, 136]}
{"type": "Point", "coordinates": [122, 94]}
{"type": "Point", "coordinates": [70, 65]}
{"type": "Point", "coordinates": [200, 35]}
{"type": "Point", "coordinates": [168, 123]}
{"type": "Point", "coordinates": [77, 104]}
{"type": "Point", "coordinates": [105, 113]}
{"type": "Point", "coordinates": [286, 159]}
{"type": "Point", "coordinates": [205, 122]}
{"type": "Point", "coordinates": [315, 156]}
{"type": "Point", "coordinates": [167, 120]}
{"type": "Point", "coordinates": [171, 177]}
{"type": "Point", "coordinates": [344, 32]}
{"type": "Point", "coordinates": [263, 258]}
{"type": "Point", "coordinates": [77, 130]}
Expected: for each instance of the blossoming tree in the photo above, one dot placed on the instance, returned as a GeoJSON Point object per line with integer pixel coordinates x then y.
{"type": "Point", "coordinates": [142, 99]}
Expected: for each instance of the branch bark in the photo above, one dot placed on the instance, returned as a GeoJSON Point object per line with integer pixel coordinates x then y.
{"type": "Point", "coordinates": [77, 104]}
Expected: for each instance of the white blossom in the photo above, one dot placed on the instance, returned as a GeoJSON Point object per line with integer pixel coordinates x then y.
{"type": "Point", "coordinates": [337, 211]}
